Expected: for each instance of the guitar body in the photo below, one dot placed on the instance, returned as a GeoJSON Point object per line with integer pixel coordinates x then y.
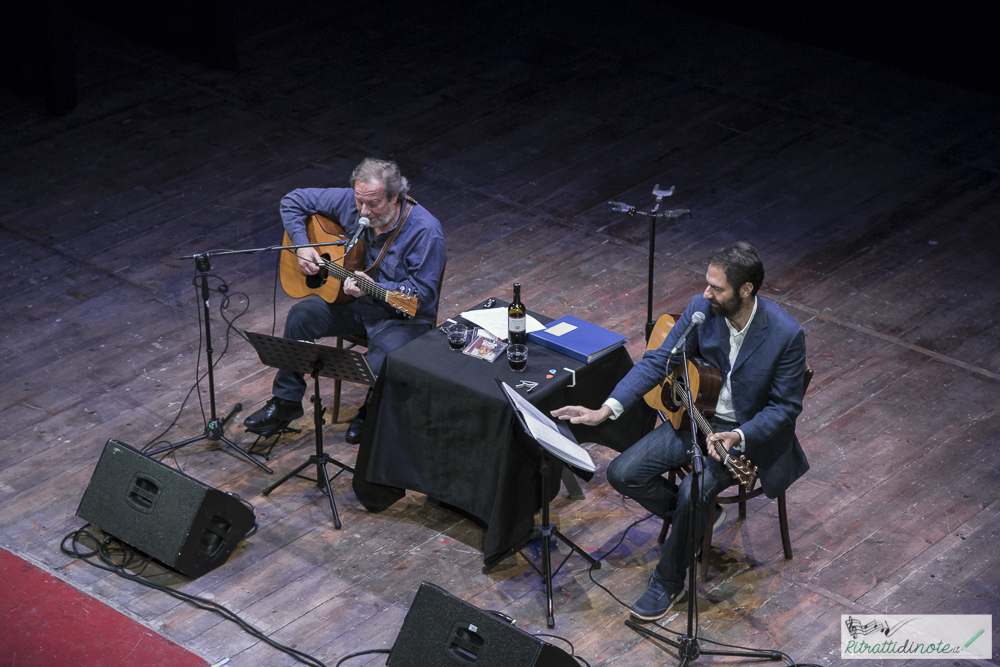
{"type": "Point", "coordinates": [706, 381]}
{"type": "Point", "coordinates": [659, 334]}
{"type": "Point", "coordinates": [297, 284]}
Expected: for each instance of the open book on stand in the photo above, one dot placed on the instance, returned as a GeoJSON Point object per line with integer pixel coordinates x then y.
{"type": "Point", "coordinates": [545, 431]}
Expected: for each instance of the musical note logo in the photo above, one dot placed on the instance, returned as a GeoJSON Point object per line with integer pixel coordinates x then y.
{"type": "Point", "coordinates": [856, 628]}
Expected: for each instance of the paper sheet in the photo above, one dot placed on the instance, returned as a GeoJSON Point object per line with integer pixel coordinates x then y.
{"type": "Point", "coordinates": [494, 320]}
{"type": "Point", "coordinates": [544, 430]}
{"type": "Point", "coordinates": [560, 329]}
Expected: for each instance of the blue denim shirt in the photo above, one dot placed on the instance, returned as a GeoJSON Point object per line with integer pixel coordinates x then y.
{"type": "Point", "coordinates": [414, 262]}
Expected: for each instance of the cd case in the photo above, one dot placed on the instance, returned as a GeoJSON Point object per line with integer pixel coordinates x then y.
{"type": "Point", "coordinates": [485, 346]}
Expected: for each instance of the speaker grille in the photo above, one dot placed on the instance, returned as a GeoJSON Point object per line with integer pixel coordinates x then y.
{"type": "Point", "coordinates": [174, 518]}
{"type": "Point", "coordinates": [441, 630]}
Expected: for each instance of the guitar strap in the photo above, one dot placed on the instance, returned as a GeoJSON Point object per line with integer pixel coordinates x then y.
{"type": "Point", "coordinates": [407, 207]}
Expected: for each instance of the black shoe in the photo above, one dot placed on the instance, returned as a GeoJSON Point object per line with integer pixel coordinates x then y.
{"type": "Point", "coordinates": [353, 435]}
{"type": "Point", "coordinates": [275, 412]}
{"type": "Point", "coordinates": [656, 601]}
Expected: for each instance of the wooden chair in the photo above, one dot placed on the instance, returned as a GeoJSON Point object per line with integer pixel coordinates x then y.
{"type": "Point", "coordinates": [351, 342]}
{"type": "Point", "coordinates": [740, 498]}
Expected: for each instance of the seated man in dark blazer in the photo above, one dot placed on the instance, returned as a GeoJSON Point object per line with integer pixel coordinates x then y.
{"type": "Point", "coordinates": [760, 350]}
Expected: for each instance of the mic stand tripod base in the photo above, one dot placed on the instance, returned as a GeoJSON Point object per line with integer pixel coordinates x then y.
{"type": "Point", "coordinates": [689, 650]}
{"type": "Point", "coordinates": [214, 433]}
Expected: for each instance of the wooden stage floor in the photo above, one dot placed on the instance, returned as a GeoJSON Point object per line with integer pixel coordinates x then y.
{"type": "Point", "coordinates": [873, 196]}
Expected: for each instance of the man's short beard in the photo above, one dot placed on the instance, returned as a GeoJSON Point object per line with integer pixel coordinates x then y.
{"type": "Point", "coordinates": [378, 223]}
{"type": "Point", "coordinates": [729, 308]}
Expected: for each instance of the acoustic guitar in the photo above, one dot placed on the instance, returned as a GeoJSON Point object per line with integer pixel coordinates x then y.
{"type": "Point", "coordinates": [327, 284]}
{"type": "Point", "coordinates": [672, 401]}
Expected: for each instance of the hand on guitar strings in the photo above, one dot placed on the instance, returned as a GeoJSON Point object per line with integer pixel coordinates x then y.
{"type": "Point", "coordinates": [728, 439]}
{"type": "Point", "coordinates": [309, 260]}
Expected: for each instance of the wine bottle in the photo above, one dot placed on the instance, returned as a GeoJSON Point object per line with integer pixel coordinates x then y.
{"type": "Point", "coordinates": [517, 322]}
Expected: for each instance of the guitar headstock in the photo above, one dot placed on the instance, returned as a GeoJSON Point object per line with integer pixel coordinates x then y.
{"type": "Point", "coordinates": [403, 301]}
{"type": "Point", "coordinates": [744, 472]}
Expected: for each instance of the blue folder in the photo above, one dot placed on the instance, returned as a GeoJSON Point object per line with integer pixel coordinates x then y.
{"type": "Point", "coordinates": [584, 343]}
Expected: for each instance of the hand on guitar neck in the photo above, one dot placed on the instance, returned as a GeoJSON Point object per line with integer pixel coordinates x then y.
{"type": "Point", "coordinates": [728, 440]}
{"type": "Point", "coordinates": [350, 285]}
{"type": "Point", "coordinates": [310, 262]}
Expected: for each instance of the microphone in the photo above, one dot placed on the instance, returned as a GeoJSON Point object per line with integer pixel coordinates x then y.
{"type": "Point", "coordinates": [696, 319]}
{"type": "Point", "coordinates": [362, 223]}
{"type": "Point", "coordinates": [619, 207]}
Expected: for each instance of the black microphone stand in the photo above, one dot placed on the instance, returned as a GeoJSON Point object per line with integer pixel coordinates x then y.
{"type": "Point", "coordinates": [619, 207]}
{"type": "Point", "coordinates": [215, 428]}
{"type": "Point", "coordinates": [687, 646]}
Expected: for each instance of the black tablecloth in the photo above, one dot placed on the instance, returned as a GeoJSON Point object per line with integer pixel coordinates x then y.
{"type": "Point", "coordinates": [439, 424]}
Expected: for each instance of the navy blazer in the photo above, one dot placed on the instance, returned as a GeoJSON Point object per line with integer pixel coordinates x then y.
{"type": "Point", "coordinates": [766, 381]}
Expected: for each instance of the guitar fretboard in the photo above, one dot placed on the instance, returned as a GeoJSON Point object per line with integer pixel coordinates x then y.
{"type": "Point", "coordinates": [339, 272]}
{"type": "Point", "coordinates": [706, 429]}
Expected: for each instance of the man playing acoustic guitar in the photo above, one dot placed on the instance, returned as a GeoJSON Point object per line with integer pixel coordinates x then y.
{"type": "Point", "coordinates": [760, 351]}
{"type": "Point", "coordinates": [409, 242]}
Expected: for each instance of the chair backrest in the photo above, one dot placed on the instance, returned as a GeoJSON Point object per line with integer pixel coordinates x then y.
{"type": "Point", "coordinates": [807, 378]}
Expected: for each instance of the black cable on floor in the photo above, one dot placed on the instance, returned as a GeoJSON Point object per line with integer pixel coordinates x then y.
{"type": "Point", "coordinates": [104, 548]}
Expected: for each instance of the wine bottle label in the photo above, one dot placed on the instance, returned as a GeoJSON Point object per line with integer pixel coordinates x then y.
{"type": "Point", "coordinates": [517, 324]}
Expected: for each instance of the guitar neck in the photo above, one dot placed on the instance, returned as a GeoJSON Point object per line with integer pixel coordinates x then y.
{"type": "Point", "coordinates": [368, 286]}
{"type": "Point", "coordinates": [703, 424]}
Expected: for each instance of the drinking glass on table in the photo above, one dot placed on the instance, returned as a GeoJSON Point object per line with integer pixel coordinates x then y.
{"type": "Point", "coordinates": [517, 357]}
{"type": "Point", "coordinates": [458, 334]}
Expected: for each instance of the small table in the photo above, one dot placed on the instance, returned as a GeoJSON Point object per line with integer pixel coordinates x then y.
{"type": "Point", "coordinates": [438, 424]}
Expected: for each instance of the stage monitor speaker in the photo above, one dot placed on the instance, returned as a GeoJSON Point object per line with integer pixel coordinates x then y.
{"type": "Point", "coordinates": [184, 524]}
{"type": "Point", "coordinates": [441, 630]}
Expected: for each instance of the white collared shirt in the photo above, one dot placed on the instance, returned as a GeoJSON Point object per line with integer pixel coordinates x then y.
{"type": "Point", "coordinates": [724, 408]}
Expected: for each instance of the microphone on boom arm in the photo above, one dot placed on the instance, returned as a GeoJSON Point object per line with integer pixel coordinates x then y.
{"type": "Point", "coordinates": [362, 224]}
{"type": "Point", "coordinates": [696, 319]}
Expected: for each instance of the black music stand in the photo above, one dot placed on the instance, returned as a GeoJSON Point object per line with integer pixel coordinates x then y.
{"type": "Point", "coordinates": [545, 531]}
{"type": "Point", "coordinates": [315, 360]}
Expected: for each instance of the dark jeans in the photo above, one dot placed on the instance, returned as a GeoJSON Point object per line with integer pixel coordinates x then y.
{"type": "Point", "coordinates": [314, 318]}
{"type": "Point", "coordinates": [638, 473]}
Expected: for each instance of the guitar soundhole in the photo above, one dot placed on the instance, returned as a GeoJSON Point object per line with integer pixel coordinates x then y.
{"type": "Point", "coordinates": [319, 279]}
{"type": "Point", "coordinates": [678, 390]}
